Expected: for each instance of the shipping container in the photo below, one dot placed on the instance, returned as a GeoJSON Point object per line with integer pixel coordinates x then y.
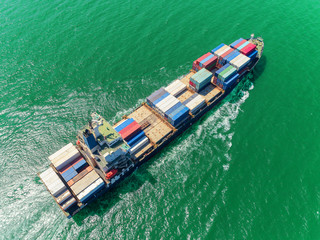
{"type": "Point", "coordinates": [233, 56]}
{"type": "Point", "coordinates": [69, 174]}
{"type": "Point", "coordinates": [210, 63]}
{"type": "Point", "coordinates": [227, 53]}
{"type": "Point", "coordinates": [202, 57]}
{"type": "Point", "coordinates": [242, 46]}
{"type": "Point", "coordinates": [139, 145]}
{"type": "Point", "coordinates": [80, 165]}
{"type": "Point", "coordinates": [236, 42]}
{"type": "Point", "coordinates": [155, 95]}
{"type": "Point", "coordinates": [217, 48]}
{"type": "Point", "coordinates": [126, 123]}
{"type": "Point", "coordinates": [253, 54]}
{"type": "Point", "coordinates": [53, 182]}
{"type": "Point", "coordinates": [225, 77]}
{"type": "Point", "coordinates": [201, 79]}
{"type": "Point", "coordinates": [206, 59]}
{"type": "Point", "coordinates": [154, 103]}
{"type": "Point", "coordinates": [236, 58]}
{"type": "Point", "coordinates": [131, 130]}
{"type": "Point", "coordinates": [136, 138]}
{"type": "Point", "coordinates": [68, 204]}
{"type": "Point", "coordinates": [221, 50]}
{"type": "Point", "coordinates": [221, 69]}
{"type": "Point", "coordinates": [79, 176]}
{"type": "Point", "coordinates": [63, 197]}
{"type": "Point", "coordinates": [225, 71]}
{"type": "Point", "coordinates": [197, 103]}
{"type": "Point", "coordinates": [220, 53]}
{"type": "Point", "coordinates": [84, 182]}
{"type": "Point", "coordinates": [239, 44]}
{"type": "Point", "coordinates": [248, 49]}
{"type": "Point", "coordinates": [88, 193]}
{"type": "Point", "coordinates": [164, 100]}
{"type": "Point", "coordinates": [177, 117]}
{"type": "Point", "coordinates": [173, 108]}
{"type": "Point", "coordinates": [231, 81]}
{"type": "Point", "coordinates": [61, 159]}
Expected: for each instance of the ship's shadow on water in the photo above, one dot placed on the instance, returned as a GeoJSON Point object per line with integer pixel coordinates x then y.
{"type": "Point", "coordinates": [132, 183]}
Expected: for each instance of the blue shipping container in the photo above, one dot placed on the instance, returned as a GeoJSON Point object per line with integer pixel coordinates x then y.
{"type": "Point", "coordinates": [156, 94]}
{"type": "Point", "coordinates": [124, 124]}
{"type": "Point", "coordinates": [178, 118]}
{"type": "Point", "coordinates": [217, 48]}
{"type": "Point", "coordinates": [160, 98]}
{"type": "Point", "coordinates": [136, 138]}
{"type": "Point", "coordinates": [231, 81]}
{"type": "Point", "coordinates": [253, 54]}
{"type": "Point", "coordinates": [236, 54]}
{"type": "Point", "coordinates": [243, 45]}
{"type": "Point", "coordinates": [172, 109]}
{"type": "Point", "coordinates": [69, 174]}
{"type": "Point", "coordinates": [236, 42]}
{"type": "Point", "coordinates": [80, 165]}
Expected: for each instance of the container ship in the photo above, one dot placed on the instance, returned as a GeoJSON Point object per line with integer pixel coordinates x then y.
{"type": "Point", "coordinates": [104, 153]}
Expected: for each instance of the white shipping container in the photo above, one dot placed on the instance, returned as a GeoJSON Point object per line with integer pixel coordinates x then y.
{"type": "Point", "coordinates": [224, 51]}
{"type": "Point", "coordinates": [166, 103]}
{"type": "Point", "coordinates": [65, 148]}
{"type": "Point", "coordinates": [140, 145]}
{"type": "Point", "coordinates": [96, 184]}
{"type": "Point", "coordinates": [164, 100]}
{"type": "Point", "coordinates": [195, 102]}
{"type": "Point", "coordinates": [242, 61]}
{"type": "Point", "coordinates": [63, 197]}
{"type": "Point", "coordinates": [84, 182]}
{"type": "Point", "coordinates": [172, 86]}
{"type": "Point", "coordinates": [179, 90]}
{"type": "Point", "coordinates": [66, 159]}
{"type": "Point", "coordinates": [236, 58]}
{"type": "Point", "coordinates": [221, 49]}
{"type": "Point", "coordinates": [167, 107]}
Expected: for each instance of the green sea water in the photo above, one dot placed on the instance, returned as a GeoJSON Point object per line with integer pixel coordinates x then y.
{"type": "Point", "coordinates": [249, 169]}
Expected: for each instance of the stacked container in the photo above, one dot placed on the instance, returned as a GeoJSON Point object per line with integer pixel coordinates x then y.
{"type": "Point", "coordinates": [196, 63]}
{"type": "Point", "coordinates": [64, 156]}
{"type": "Point", "coordinates": [200, 80]}
{"type": "Point", "coordinates": [178, 115]}
{"type": "Point", "coordinates": [248, 49]}
{"type": "Point", "coordinates": [228, 73]}
{"type": "Point", "coordinates": [139, 144]}
{"type": "Point", "coordinates": [239, 44]}
{"type": "Point", "coordinates": [229, 83]}
{"type": "Point", "coordinates": [240, 62]}
{"type": "Point", "coordinates": [236, 42]}
{"type": "Point", "coordinates": [224, 57]}
{"type": "Point", "coordinates": [218, 48]}
{"type": "Point", "coordinates": [156, 97]}
{"type": "Point", "coordinates": [253, 55]}
{"type": "Point", "coordinates": [128, 129]}
{"type": "Point", "coordinates": [164, 105]}
{"type": "Point", "coordinates": [176, 88]}
{"type": "Point", "coordinates": [57, 188]}
{"type": "Point", "coordinates": [87, 186]}
{"type": "Point", "coordinates": [195, 103]}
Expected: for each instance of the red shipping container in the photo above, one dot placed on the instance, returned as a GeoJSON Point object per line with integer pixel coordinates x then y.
{"type": "Point", "coordinates": [192, 84]}
{"type": "Point", "coordinates": [196, 66]}
{"type": "Point", "coordinates": [240, 43]}
{"type": "Point", "coordinates": [227, 53]}
{"type": "Point", "coordinates": [210, 62]}
{"type": "Point", "coordinates": [130, 130]}
{"type": "Point", "coordinates": [203, 57]}
{"type": "Point", "coordinates": [248, 49]}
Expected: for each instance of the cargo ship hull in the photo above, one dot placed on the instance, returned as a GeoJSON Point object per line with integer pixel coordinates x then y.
{"type": "Point", "coordinates": [87, 153]}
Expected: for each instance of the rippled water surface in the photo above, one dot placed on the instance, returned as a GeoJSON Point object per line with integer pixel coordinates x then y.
{"type": "Point", "coordinates": [249, 169]}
